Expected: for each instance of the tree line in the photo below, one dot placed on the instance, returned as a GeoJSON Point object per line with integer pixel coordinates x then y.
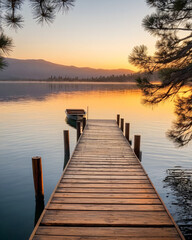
{"type": "Point", "coordinates": [113, 78]}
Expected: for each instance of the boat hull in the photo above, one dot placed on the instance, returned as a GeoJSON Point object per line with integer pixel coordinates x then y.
{"type": "Point", "coordinates": [75, 114]}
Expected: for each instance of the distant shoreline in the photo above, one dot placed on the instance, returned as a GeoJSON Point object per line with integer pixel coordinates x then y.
{"type": "Point", "coordinates": [75, 82]}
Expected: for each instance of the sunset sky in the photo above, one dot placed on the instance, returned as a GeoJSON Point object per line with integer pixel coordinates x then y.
{"type": "Point", "coordinates": [98, 34]}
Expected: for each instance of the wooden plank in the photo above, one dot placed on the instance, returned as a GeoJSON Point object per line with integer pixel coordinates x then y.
{"type": "Point", "coordinates": [111, 163]}
{"type": "Point", "coordinates": [98, 157]}
{"type": "Point", "coordinates": [103, 156]}
{"type": "Point", "coordinates": [106, 200]}
{"type": "Point", "coordinates": [111, 170]}
{"type": "Point", "coordinates": [102, 185]}
{"type": "Point", "coordinates": [140, 173]}
{"type": "Point", "coordinates": [107, 218]}
{"type": "Point", "coordinates": [134, 177]}
{"type": "Point", "coordinates": [106, 195]}
{"type": "Point", "coordinates": [115, 153]}
{"type": "Point", "coordinates": [109, 231]}
{"type": "Point", "coordinates": [103, 164]}
{"type": "Point", "coordinates": [42, 237]}
{"type": "Point", "coordinates": [119, 163]}
{"type": "Point", "coordinates": [106, 207]}
{"type": "Point", "coordinates": [105, 190]}
{"type": "Point", "coordinates": [106, 166]}
{"type": "Point", "coordinates": [107, 161]}
{"type": "Point", "coordinates": [105, 181]}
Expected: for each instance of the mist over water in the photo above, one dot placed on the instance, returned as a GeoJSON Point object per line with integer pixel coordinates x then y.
{"type": "Point", "coordinates": [32, 123]}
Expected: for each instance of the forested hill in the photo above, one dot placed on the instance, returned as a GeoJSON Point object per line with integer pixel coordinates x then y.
{"type": "Point", "coordinates": [41, 70]}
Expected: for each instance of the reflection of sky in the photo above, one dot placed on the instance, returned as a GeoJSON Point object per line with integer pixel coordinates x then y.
{"type": "Point", "coordinates": [98, 34]}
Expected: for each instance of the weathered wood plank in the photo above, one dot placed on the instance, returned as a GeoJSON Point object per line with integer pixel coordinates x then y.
{"type": "Point", "coordinates": [107, 161]}
{"type": "Point", "coordinates": [106, 170]}
{"type": "Point", "coordinates": [140, 173]}
{"type": "Point", "coordinates": [42, 237]}
{"type": "Point", "coordinates": [106, 207]}
{"type": "Point", "coordinates": [106, 181]}
{"type": "Point", "coordinates": [110, 177]}
{"type": "Point", "coordinates": [109, 231]}
{"type": "Point", "coordinates": [99, 156]}
{"type": "Point", "coordinates": [107, 185]}
{"type": "Point", "coordinates": [105, 195]}
{"type": "Point", "coordinates": [71, 165]}
{"type": "Point", "coordinates": [105, 190]}
{"type": "Point", "coordinates": [106, 200]}
{"type": "Point", "coordinates": [107, 218]}
{"type": "Point", "coordinates": [120, 164]}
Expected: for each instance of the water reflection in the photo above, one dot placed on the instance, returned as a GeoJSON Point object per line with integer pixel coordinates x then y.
{"type": "Point", "coordinates": [66, 159]}
{"type": "Point", "coordinates": [179, 181]}
{"type": "Point", "coordinates": [71, 122]}
{"type": "Point", "coordinates": [17, 91]}
{"type": "Point", "coordinates": [39, 207]}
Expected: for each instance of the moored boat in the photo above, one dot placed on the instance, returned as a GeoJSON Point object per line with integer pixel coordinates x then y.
{"type": "Point", "coordinates": [75, 114]}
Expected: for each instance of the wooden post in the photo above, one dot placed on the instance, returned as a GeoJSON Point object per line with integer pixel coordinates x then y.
{"type": "Point", "coordinates": [118, 119]}
{"type": "Point", "coordinates": [87, 112]}
{"type": "Point", "coordinates": [66, 142]}
{"type": "Point", "coordinates": [38, 177]}
{"type": "Point", "coordinates": [78, 124]}
{"type": "Point", "coordinates": [84, 122]}
{"type": "Point", "coordinates": [66, 147]}
{"type": "Point", "coordinates": [137, 143]}
{"type": "Point", "coordinates": [122, 124]}
{"type": "Point", "coordinates": [127, 131]}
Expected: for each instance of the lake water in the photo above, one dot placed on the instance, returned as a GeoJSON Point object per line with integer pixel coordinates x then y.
{"type": "Point", "coordinates": [32, 123]}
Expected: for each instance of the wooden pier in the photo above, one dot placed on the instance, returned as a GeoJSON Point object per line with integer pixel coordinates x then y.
{"type": "Point", "coordinates": [104, 193]}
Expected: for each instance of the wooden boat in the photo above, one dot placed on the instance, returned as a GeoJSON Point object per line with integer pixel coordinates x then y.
{"type": "Point", "coordinates": [75, 114]}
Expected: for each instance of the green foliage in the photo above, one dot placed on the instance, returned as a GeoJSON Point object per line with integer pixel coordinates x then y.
{"type": "Point", "coordinates": [171, 23]}
{"type": "Point", "coordinates": [3, 64]}
{"type": "Point", "coordinates": [5, 47]}
{"type": "Point", "coordinates": [43, 10]}
{"type": "Point", "coordinates": [5, 44]}
{"type": "Point", "coordinates": [181, 132]}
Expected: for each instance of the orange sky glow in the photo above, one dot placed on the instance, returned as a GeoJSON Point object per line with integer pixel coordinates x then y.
{"type": "Point", "coordinates": [97, 34]}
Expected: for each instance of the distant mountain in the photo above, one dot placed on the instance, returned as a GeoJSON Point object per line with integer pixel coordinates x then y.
{"type": "Point", "coordinates": [41, 69]}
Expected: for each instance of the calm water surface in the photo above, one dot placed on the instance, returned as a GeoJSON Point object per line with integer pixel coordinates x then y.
{"type": "Point", "coordinates": [32, 123]}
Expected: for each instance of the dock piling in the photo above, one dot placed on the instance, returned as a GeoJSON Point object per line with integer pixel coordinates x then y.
{"type": "Point", "coordinates": [118, 119]}
{"type": "Point", "coordinates": [84, 122]}
{"type": "Point", "coordinates": [78, 124]}
{"type": "Point", "coordinates": [122, 124]}
{"type": "Point", "coordinates": [38, 177]}
{"type": "Point", "coordinates": [127, 132]}
{"type": "Point", "coordinates": [66, 147]}
{"type": "Point", "coordinates": [137, 143]}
